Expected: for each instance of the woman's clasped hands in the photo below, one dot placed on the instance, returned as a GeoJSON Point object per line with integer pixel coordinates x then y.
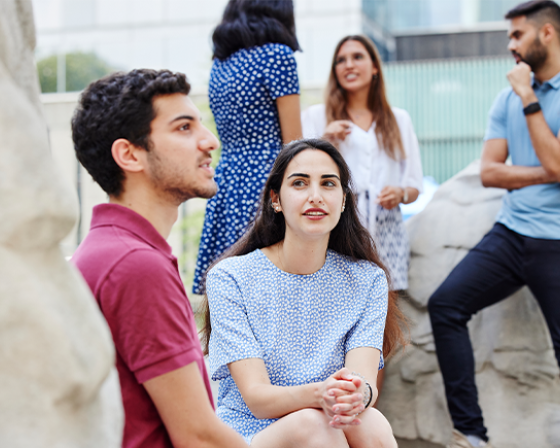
{"type": "Point", "coordinates": [341, 397]}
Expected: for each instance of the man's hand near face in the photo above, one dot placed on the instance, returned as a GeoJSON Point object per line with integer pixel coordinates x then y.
{"type": "Point", "coordinates": [520, 79]}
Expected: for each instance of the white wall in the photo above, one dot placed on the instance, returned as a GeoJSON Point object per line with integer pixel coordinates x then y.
{"type": "Point", "coordinates": [176, 34]}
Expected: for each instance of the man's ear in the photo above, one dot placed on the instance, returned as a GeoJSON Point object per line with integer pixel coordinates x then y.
{"type": "Point", "coordinates": [127, 156]}
{"type": "Point", "coordinates": [548, 33]}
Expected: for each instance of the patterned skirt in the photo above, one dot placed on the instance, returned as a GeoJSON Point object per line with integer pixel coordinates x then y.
{"type": "Point", "coordinates": [392, 244]}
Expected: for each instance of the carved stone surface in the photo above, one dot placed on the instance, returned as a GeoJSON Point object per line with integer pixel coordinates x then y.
{"type": "Point", "coordinates": [516, 371]}
{"type": "Point", "coordinates": [58, 384]}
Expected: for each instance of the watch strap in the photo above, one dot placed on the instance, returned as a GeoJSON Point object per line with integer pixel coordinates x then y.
{"type": "Point", "coordinates": [531, 108]}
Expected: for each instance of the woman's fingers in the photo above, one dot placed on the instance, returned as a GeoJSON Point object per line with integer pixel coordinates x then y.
{"type": "Point", "coordinates": [389, 197]}
{"type": "Point", "coordinates": [341, 387]}
{"type": "Point", "coordinates": [338, 130]}
{"type": "Point", "coordinates": [349, 398]}
{"type": "Point", "coordinates": [348, 408]}
{"type": "Point", "coordinates": [340, 421]}
{"type": "Point", "coordinates": [343, 374]}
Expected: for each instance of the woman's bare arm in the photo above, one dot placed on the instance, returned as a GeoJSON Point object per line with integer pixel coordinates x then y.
{"type": "Point", "coordinates": [365, 361]}
{"type": "Point", "coordinates": [289, 115]}
{"type": "Point", "coordinates": [392, 196]}
{"type": "Point", "coordinates": [265, 400]}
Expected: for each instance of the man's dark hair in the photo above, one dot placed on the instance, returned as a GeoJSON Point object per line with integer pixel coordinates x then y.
{"type": "Point", "coordinates": [538, 11]}
{"type": "Point", "coordinates": [119, 105]}
{"type": "Point", "coordinates": [252, 23]}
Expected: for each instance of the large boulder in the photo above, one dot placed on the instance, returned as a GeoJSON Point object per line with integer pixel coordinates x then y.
{"type": "Point", "coordinates": [58, 384]}
{"type": "Point", "coordinates": [516, 371]}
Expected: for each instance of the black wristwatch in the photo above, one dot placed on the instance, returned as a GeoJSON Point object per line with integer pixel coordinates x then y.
{"type": "Point", "coordinates": [531, 108]}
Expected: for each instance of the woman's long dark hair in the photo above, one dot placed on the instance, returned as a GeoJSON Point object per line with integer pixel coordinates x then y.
{"type": "Point", "coordinates": [349, 237]}
{"type": "Point", "coordinates": [386, 127]}
{"type": "Point", "coordinates": [252, 23]}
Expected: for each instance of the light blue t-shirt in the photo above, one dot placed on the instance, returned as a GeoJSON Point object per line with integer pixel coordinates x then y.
{"type": "Point", "coordinates": [301, 326]}
{"type": "Point", "coordinates": [532, 211]}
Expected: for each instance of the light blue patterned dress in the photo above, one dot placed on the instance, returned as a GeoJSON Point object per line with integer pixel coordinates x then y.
{"type": "Point", "coordinates": [243, 90]}
{"type": "Point", "coordinates": [302, 326]}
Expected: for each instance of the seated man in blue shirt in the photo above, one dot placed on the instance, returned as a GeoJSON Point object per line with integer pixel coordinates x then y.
{"type": "Point", "coordinates": [523, 247]}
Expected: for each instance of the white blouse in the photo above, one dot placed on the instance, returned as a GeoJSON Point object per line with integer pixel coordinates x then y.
{"type": "Point", "coordinates": [370, 166]}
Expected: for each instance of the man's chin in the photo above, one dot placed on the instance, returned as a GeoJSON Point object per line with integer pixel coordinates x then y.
{"type": "Point", "coordinates": [206, 193]}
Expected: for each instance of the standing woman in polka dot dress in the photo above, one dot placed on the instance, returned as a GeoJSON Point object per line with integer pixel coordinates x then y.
{"type": "Point", "coordinates": [254, 96]}
{"type": "Point", "coordinates": [298, 317]}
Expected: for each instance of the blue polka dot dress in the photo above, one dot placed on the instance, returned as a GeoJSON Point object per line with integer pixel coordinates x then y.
{"type": "Point", "coordinates": [302, 326]}
{"type": "Point", "coordinates": [242, 92]}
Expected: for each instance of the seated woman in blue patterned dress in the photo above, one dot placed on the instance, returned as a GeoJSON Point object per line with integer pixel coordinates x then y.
{"type": "Point", "coordinates": [296, 307]}
{"type": "Point", "coordinates": [254, 96]}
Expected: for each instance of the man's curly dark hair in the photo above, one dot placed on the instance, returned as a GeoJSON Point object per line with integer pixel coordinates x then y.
{"type": "Point", "coordinates": [119, 105]}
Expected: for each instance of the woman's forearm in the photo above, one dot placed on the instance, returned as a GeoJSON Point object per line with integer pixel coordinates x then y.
{"type": "Point", "coordinates": [268, 401]}
{"type": "Point", "coordinates": [289, 117]}
{"type": "Point", "coordinates": [413, 194]}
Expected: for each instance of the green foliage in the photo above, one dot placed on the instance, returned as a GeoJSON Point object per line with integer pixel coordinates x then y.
{"type": "Point", "coordinates": [46, 69]}
{"type": "Point", "coordinates": [81, 69]}
{"type": "Point", "coordinates": [190, 228]}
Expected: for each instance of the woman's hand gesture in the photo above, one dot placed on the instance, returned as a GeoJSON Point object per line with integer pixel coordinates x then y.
{"type": "Point", "coordinates": [341, 398]}
{"type": "Point", "coordinates": [390, 197]}
{"type": "Point", "coordinates": [337, 131]}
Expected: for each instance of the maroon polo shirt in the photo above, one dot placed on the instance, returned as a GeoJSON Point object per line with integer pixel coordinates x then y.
{"type": "Point", "coordinates": [130, 269]}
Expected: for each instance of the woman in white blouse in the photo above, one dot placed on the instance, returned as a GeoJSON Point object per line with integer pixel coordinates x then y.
{"type": "Point", "coordinates": [378, 143]}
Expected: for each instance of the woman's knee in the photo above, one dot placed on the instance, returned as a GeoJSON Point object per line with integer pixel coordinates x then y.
{"type": "Point", "coordinates": [374, 432]}
{"type": "Point", "coordinates": [312, 430]}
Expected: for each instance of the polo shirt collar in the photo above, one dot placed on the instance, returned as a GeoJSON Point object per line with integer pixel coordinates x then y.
{"type": "Point", "coordinates": [553, 82]}
{"type": "Point", "coordinates": [127, 219]}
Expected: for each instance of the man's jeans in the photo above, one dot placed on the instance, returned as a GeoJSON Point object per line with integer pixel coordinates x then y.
{"type": "Point", "coordinates": [499, 265]}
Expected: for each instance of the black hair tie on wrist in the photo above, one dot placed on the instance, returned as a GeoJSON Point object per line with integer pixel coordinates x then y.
{"type": "Point", "coordinates": [370, 395]}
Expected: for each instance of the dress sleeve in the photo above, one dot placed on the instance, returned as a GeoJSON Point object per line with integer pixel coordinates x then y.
{"type": "Point", "coordinates": [412, 175]}
{"type": "Point", "coordinates": [232, 338]}
{"type": "Point", "coordinates": [368, 331]}
{"type": "Point", "coordinates": [497, 117]}
{"type": "Point", "coordinates": [313, 121]}
{"type": "Point", "coordinates": [153, 328]}
{"type": "Point", "coordinates": [280, 71]}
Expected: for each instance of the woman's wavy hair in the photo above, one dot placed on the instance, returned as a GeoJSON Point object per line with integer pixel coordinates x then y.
{"type": "Point", "coordinates": [336, 101]}
{"type": "Point", "coordinates": [348, 238]}
{"type": "Point", "coordinates": [252, 23]}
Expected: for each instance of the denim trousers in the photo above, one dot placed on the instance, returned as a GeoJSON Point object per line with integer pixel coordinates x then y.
{"type": "Point", "coordinates": [501, 263]}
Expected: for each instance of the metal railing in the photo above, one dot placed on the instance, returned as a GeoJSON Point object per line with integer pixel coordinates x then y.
{"type": "Point", "coordinates": [448, 101]}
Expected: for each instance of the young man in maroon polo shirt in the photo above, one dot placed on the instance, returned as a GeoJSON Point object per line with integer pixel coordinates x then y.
{"type": "Point", "coordinates": [140, 137]}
